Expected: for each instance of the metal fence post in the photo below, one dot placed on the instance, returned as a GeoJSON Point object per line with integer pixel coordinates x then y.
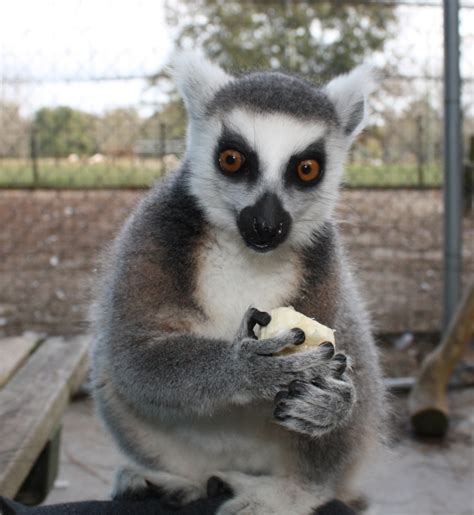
{"type": "Point", "coordinates": [468, 184]}
{"type": "Point", "coordinates": [452, 161]}
{"type": "Point", "coordinates": [163, 147]}
{"type": "Point", "coordinates": [34, 155]}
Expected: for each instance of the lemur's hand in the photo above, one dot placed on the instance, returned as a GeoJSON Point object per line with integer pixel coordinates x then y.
{"type": "Point", "coordinates": [263, 372]}
{"type": "Point", "coordinates": [318, 406]}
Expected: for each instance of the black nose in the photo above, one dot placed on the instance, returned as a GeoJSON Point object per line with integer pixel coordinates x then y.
{"type": "Point", "coordinates": [264, 225]}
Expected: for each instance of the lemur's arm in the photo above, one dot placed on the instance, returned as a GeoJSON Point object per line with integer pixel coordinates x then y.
{"type": "Point", "coordinates": [188, 374]}
{"type": "Point", "coordinates": [352, 388]}
{"type": "Point", "coordinates": [156, 362]}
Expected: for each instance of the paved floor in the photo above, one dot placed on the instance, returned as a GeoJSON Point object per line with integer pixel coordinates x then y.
{"type": "Point", "coordinates": [414, 478]}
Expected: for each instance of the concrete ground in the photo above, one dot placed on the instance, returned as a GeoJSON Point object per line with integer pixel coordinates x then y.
{"type": "Point", "coordinates": [419, 478]}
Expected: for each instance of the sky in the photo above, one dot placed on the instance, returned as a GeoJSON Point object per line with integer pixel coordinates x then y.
{"type": "Point", "coordinates": [50, 49]}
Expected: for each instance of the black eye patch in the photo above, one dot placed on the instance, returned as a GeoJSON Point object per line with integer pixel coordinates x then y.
{"type": "Point", "coordinates": [231, 140]}
{"type": "Point", "coordinates": [316, 151]}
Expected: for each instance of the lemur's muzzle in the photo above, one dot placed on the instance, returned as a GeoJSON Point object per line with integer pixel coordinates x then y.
{"type": "Point", "coordinates": [264, 225]}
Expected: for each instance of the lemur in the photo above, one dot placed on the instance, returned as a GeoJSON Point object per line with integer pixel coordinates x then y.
{"type": "Point", "coordinates": [245, 225]}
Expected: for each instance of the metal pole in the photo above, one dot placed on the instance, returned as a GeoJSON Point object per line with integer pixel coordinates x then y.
{"type": "Point", "coordinates": [163, 147]}
{"type": "Point", "coordinates": [452, 161]}
{"type": "Point", "coordinates": [34, 155]}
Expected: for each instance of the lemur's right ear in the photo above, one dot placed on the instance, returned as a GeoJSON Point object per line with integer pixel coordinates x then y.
{"type": "Point", "coordinates": [349, 94]}
{"type": "Point", "coordinates": [197, 79]}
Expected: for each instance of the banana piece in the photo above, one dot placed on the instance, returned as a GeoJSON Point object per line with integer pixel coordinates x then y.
{"type": "Point", "coordinates": [286, 318]}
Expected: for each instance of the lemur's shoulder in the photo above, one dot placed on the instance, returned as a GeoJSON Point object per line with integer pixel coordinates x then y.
{"type": "Point", "coordinates": [152, 263]}
{"type": "Point", "coordinates": [320, 293]}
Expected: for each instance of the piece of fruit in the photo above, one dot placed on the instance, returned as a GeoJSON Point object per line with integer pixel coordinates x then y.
{"type": "Point", "coordinates": [286, 318]}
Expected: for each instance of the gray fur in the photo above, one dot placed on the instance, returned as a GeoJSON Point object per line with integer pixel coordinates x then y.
{"type": "Point", "coordinates": [275, 92]}
{"type": "Point", "coordinates": [355, 118]}
{"type": "Point", "coordinates": [187, 395]}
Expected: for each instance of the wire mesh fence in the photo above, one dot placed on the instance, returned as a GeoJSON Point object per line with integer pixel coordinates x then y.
{"type": "Point", "coordinates": [78, 147]}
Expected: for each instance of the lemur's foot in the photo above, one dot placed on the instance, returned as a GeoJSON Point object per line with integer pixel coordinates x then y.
{"type": "Point", "coordinates": [130, 485]}
{"type": "Point", "coordinates": [173, 491]}
{"type": "Point", "coordinates": [264, 495]}
{"type": "Point", "coordinates": [316, 407]}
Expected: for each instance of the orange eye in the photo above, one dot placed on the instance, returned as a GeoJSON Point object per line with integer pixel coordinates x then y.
{"type": "Point", "coordinates": [231, 160]}
{"type": "Point", "coordinates": [308, 170]}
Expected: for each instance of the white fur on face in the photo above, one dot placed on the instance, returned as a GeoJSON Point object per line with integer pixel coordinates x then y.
{"type": "Point", "coordinates": [275, 137]}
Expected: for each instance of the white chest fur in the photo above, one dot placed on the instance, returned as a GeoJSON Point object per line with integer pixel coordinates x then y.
{"type": "Point", "coordinates": [232, 277]}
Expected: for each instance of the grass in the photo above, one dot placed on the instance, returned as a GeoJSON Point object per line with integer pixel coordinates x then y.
{"type": "Point", "coordinates": [62, 174]}
{"type": "Point", "coordinates": [392, 176]}
{"type": "Point", "coordinates": [128, 174]}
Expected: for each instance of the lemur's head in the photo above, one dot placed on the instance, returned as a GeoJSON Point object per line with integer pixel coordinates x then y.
{"type": "Point", "coordinates": [265, 151]}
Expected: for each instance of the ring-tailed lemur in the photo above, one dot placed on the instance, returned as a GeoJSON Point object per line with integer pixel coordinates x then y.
{"type": "Point", "coordinates": [182, 383]}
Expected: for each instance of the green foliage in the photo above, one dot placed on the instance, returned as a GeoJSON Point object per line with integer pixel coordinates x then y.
{"type": "Point", "coordinates": [117, 131]}
{"type": "Point", "coordinates": [319, 39]}
{"type": "Point", "coordinates": [172, 115]}
{"type": "Point", "coordinates": [61, 131]}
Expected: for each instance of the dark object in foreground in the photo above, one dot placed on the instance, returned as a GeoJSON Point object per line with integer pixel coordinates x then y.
{"type": "Point", "coordinates": [146, 507]}
{"type": "Point", "coordinates": [428, 401]}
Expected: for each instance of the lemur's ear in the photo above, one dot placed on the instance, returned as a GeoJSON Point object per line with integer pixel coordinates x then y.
{"type": "Point", "coordinates": [349, 94]}
{"type": "Point", "coordinates": [197, 79]}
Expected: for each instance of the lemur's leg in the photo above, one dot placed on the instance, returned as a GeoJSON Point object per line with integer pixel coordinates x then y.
{"type": "Point", "coordinates": [269, 495]}
{"type": "Point", "coordinates": [318, 406]}
{"type": "Point", "coordinates": [174, 491]}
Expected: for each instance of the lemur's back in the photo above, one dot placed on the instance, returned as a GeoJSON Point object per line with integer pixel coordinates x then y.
{"type": "Point", "coordinates": [180, 379]}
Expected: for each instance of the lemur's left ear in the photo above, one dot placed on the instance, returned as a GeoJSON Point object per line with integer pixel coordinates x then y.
{"type": "Point", "coordinates": [349, 94]}
{"type": "Point", "coordinates": [197, 79]}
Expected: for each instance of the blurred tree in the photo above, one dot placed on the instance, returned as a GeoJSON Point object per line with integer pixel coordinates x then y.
{"type": "Point", "coordinates": [413, 135]}
{"type": "Point", "coordinates": [15, 129]}
{"type": "Point", "coordinates": [319, 39]}
{"type": "Point", "coordinates": [171, 115]}
{"type": "Point", "coordinates": [117, 131]}
{"type": "Point", "coordinates": [62, 131]}
{"type": "Point", "coordinates": [315, 39]}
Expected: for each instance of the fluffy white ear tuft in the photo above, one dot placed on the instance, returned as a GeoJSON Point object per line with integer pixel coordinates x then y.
{"type": "Point", "coordinates": [197, 79]}
{"type": "Point", "coordinates": [349, 94]}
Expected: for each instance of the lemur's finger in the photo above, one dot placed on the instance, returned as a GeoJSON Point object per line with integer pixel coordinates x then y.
{"type": "Point", "coordinates": [308, 359]}
{"type": "Point", "coordinates": [339, 364]}
{"type": "Point", "coordinates": [323, 403]}
{"type": "Point", "coordinates": [274, 345]}
{"type": "Point", "coordinates": [252, 317]}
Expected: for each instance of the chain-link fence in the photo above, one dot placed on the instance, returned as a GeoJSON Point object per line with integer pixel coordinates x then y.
{"type": "Point", "coordinates": [77, 148]}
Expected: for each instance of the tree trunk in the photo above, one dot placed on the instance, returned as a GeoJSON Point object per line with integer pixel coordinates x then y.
{"type": "Point", "coordinates": [427, 403]}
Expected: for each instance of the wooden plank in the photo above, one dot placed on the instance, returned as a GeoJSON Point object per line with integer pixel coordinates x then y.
{"type": "Point", "coordinates": [32, 403]}
{"type": "Point", "coordinates": [13, 353]}
{"type": "Point", "coordinates": [40, 480]}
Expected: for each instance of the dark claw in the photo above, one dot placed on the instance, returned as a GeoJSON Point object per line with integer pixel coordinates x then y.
{"type": "Point", "coordinates": [340, 357]}
{"type": "Point", "coordinates": [317, 382]}
{"type": "Point", "coordinates": [217, 488]}
{"type": "Point", "coordinates": [296, 387]}
{"type": "Point", "coordinates": [329, 348]}
{"type": "Point", "coordinates": [279, 414]}
{"type": "Point", "coordinates": [154, 490]}
{"type": "Point", "coordinates": [299, 335]}
{"type": "Point", "coordinates": [341, 363]}
{"type": "Point", "coordinates": [281, 395]}
{"type": "Point", "coordinates": [340, 368]}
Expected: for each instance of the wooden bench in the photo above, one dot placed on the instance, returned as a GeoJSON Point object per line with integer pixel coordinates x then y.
{"type": "Point", "coordinates": [37, 378]}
